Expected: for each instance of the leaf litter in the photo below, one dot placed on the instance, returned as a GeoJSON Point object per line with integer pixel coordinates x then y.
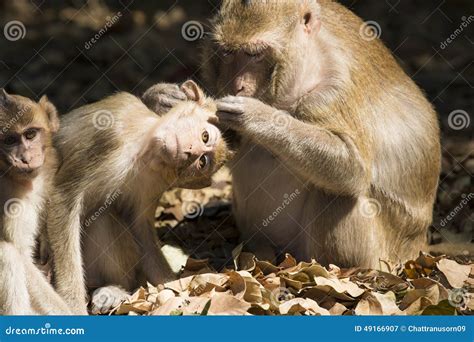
{"type": "Point", "coordinates": [218, 278]}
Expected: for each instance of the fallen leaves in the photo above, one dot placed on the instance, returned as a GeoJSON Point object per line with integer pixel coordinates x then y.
{"type": "Point", "coordinates": [432, 286]}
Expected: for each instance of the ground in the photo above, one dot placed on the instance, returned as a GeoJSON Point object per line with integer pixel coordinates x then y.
{"type": "Point", "coordinates": [77, 52]}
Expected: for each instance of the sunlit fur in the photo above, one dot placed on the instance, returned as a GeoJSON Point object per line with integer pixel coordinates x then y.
{"type": "Point", "coordinates": [360, 129]}
{"type": "Point", "coordinates": [23, 288]}
{"type": "Point", "coordinates": [115, 175]}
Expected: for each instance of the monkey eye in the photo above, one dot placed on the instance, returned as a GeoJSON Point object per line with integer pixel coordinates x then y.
{"type": "Point", "coordinates": [203, 161]}
{"type": "Point", "coordinates": [10, 140]}
{"type": "Point", "coordinates": [205, 136]}
{"type": "Point", "coordinates": [31, 134]}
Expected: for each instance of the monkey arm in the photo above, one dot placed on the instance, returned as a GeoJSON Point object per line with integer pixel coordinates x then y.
{"type": "Point", "coordinates": [329, 159]}
{"type": "Point", "coordinates": [64, 231]}
{"type": "Point", "coordinates": [43, 297]}
{"type": "Point", "coordinates": [155, 266]}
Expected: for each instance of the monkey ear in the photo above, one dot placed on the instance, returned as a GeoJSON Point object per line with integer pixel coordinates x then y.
{"type": "Point", "coordinates": [193, 92]}
{"type": "Point", "coordinates": [4, 97]}
{"type": "Point", "coordinates": [311, 22]}
{"type": "Point", "coordinates": [51, 112]}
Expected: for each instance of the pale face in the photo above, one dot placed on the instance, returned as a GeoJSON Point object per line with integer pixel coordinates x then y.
{"type": "Point", "coordinates": [189, 144]}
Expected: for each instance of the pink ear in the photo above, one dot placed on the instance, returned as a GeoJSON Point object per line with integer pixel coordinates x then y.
{"type": "Point", "coordinates": [311, 23]}
{"type": "Point", "coordinates": [193, 91]}
{"type": "Point", "coordinates": [51, 112]}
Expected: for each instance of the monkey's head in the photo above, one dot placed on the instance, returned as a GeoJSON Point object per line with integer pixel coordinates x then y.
{"type": "Point", "coordinates": [25, 134]}
{"type": "Point", "coordinates": [188, 143]}
{"type": "Point", "coordinates": [262, 48]}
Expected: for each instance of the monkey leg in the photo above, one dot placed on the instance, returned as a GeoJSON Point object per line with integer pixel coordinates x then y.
{"type": "Point", "coordinates": [117, 263]}
{"type": "Point", "coordinates": [14, 297]}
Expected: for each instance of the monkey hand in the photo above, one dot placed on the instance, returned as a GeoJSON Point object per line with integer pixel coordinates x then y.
{"type": "Point", "coordinates": [243, 114]}
{"type": "Point", "coordinates": [105, 299]}
{"type": "Point", "coordinates": [161, 97]}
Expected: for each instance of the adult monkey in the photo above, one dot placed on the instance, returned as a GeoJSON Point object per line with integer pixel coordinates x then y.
{"type": "Point", "coordinates": [334, 120]}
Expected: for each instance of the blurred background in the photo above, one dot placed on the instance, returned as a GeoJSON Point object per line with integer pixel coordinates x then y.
{"type": "Point", "coordinates": [79, 51]}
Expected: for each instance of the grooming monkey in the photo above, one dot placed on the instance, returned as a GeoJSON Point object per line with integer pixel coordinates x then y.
{"type": "Point", "coordinates": [27, 164]}
{"type": "Point", "coordinates": [117, 158]}
{"type": "Point", "coordinates": [331, 117]}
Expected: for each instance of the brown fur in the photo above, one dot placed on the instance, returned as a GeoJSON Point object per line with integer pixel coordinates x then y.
{"type": "Point", "coordinates": [358, 131]}
{"type": "Point", "coordinates": [23, 288]}
{"type": "Point", "coordinates": [107, 190]}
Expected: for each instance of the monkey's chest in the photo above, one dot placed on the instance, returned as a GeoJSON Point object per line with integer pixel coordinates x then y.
{"type": "Point", "coordinates": [268, 197]}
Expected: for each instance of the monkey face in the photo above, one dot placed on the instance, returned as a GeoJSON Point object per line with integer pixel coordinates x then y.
{"type": "Point", "coordinates": [191, 146]}
{"type": "Point", "coordinates": [23, 151]}
{"type": "Point", "coordinates": [24, 134]}
{"type": "Point", "coordinates": [245, 71]}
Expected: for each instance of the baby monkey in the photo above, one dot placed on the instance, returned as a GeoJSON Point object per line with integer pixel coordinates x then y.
{"type": "Point", "coordinates": [27, 164]}
{"type": "Point", "coordinates": [117, 158]}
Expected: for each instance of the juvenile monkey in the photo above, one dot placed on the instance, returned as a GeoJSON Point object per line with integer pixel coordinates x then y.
{"type": "Point", "coordinates": [117, 158]}
{"type": "Point", "coordinates": [27, 164]}
{"type": "Point", "coordinates": [340, 150]}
